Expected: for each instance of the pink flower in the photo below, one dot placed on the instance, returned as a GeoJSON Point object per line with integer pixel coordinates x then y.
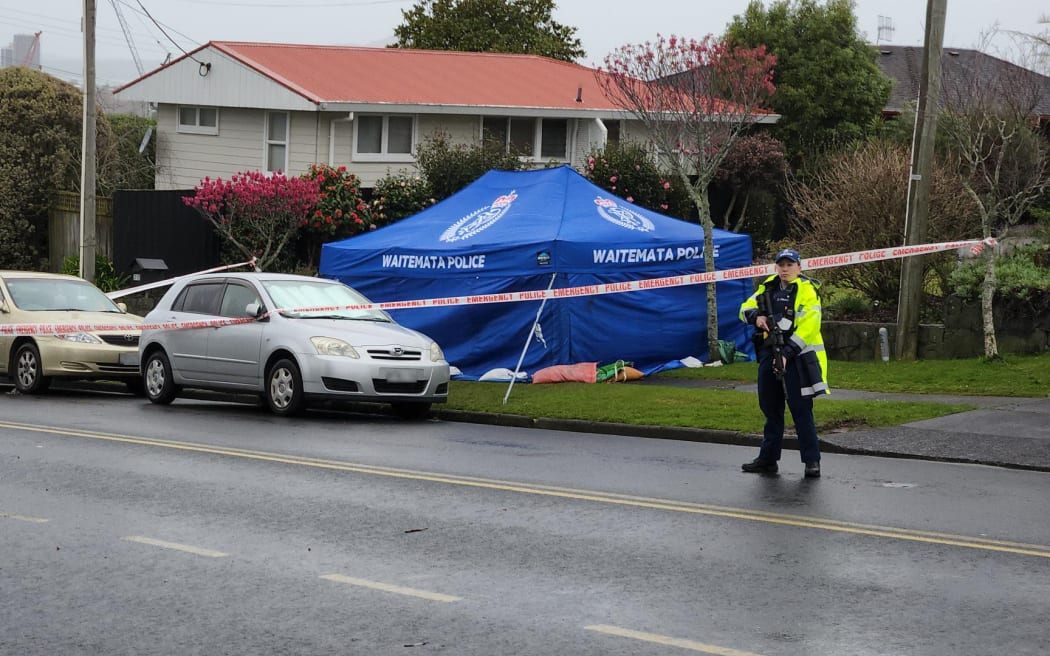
{"type": "Point", "coordinates": [630, 199]}
{"type": "Point", "coordinates": [613, 179]}
{"type": "Point", "coordinates": [667, 185]}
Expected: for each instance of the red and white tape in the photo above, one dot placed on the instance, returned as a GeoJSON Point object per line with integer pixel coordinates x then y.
{"type": "Point", "coordinates": [821, 262]}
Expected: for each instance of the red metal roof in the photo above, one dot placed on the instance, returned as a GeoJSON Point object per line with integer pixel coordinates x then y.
{"type": "Point", "coordinates": [335, 74]}
{"type": "Point", "coordinates": [399, 76]}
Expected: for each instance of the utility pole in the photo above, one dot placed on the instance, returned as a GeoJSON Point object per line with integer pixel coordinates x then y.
{"type": "Point", "coordinates": [87, 162]}
{"type": "Point", "coordinates": [918, 206]}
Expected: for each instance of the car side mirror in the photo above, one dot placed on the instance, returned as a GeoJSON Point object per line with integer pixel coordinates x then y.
{"type": "Point", "coordinates": [3, 306]}
{"type": "Point", "coordinates": [123, 307]}
{"type": "Point", "coordinates": [254, 310]}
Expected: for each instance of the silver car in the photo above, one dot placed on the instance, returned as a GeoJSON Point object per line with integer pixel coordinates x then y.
{"type": "Point", "coordinates": [293, 340]}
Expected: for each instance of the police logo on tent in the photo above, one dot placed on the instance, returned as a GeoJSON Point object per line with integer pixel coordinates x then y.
{"type": "Point", "coordinates": [479, 220]}
{"type": "Point", "coordinates": [622, 216]}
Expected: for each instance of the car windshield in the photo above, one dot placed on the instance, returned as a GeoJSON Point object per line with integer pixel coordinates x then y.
{"type": "Point", "coordinates": [50, 294]}
{"type": "Point", "coordinates": [297, 297]}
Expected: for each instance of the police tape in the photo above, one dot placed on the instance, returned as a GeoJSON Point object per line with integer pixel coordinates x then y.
{"type": "Point", "coordinates": [170, 281]}
{"type": "Point", "coordinates": [975, 247]}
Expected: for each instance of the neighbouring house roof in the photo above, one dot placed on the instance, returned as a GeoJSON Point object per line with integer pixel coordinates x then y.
{"type": "Point", "coordinates": [903, 64]}
{"type": "Point", "coordinates": [342, 77]}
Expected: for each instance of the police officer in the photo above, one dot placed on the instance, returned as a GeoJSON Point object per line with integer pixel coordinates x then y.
{"type": "Point", "coordinates": [795, 306]}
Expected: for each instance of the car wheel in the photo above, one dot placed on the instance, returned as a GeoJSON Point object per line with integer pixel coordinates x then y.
{"type": "Point", "coordinates": [411, 411]}
{"type": "Point", "coordinates": [29, 370]}
{"type": "Point", "coordinates": [158, 380]}
{"type": "Point", "coordinates": [284, 388]}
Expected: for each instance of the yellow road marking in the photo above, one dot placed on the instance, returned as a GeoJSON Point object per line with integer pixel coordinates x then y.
{"type": "Point", "coordinates": [800, 521]}
{"type": "Point", "coordinates": [23, 518]}
{"type": "Point", "coordinates": [386, 587]}
{"type": "Point", "coordinates": [667, 640]}
{"type": "Point", "coordinates": [189, 548]}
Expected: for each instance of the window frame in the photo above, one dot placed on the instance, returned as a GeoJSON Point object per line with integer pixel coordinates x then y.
{"type": "Point", "coordinates": [536, 142]}
{"type": "Point", "coordinates": [384, 154]}
{"type": "Point", "coordinates": [268, 141]}
{"type": "Point", "coordinates": [179, 305]}
{"type": "Point", "coordinates": [196, 127]}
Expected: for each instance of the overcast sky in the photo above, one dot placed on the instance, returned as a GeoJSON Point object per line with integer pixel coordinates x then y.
{"type": "Point", "coordinates": [602, 25]}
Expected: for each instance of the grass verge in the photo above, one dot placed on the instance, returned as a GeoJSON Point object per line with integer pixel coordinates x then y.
{"type": "Point", "coordinates": [1014, 375]}
{"type": "Point", "coordinates": [652, 405]}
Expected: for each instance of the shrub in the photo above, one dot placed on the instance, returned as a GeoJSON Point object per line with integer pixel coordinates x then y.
{"type": "Point", "coordinates": [106, 277]}
{"type": "Point", "coordinates": [1022, 278]}
{"type": "Point", "coordinates": [626, 170]}
{"type": "Point", "coordinates": [399, 195]}
{"type": "Point", "coordinates": [449, 167]}
{"type": "Point", "coordinates": [40, 128]}
{"type": "Point", "coordinates": [856, 201]}
{"type": "Point", "coordinates": [340, 211]}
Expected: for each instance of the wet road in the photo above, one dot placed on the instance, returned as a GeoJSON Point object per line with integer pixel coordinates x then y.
{"type": "Point", "coordinates": [214, 528]}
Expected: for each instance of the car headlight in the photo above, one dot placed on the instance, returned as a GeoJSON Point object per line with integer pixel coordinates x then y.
{"type": "Point", "coordinates": [80, 338]}
{"type": "Point", "coordinates": [436, 354]}
{"type": "Point", "coordinates": [333, 346]}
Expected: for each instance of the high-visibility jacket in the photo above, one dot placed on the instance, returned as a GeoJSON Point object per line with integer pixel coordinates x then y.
{"type": "Point", "coordinates": [803, 342]}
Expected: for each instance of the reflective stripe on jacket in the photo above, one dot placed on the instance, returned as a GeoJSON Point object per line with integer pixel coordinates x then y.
{"type": "Point", "coordinates": [805, 337]}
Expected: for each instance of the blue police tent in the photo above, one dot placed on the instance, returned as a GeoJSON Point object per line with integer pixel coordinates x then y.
{"type": "Point", "coordinates": [518, 231]}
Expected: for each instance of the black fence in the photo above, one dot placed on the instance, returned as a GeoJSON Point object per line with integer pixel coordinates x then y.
{"type": "Point", "coordinates": [157, 225]}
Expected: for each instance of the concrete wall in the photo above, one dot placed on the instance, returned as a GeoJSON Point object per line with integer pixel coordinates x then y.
{"type": "Point", "coordinates": [960, 337]}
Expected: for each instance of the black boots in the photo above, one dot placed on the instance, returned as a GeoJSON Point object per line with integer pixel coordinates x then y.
{"type": "Point", "coordinates": [758, 466]}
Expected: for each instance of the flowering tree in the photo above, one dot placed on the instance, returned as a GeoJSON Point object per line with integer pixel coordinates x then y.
{"type": "Point", "coordinates": [256, 213]}
{"type": "Point", "coordinates": [694, 99]}
{"type": "Point", "coordinates": [339, 212]}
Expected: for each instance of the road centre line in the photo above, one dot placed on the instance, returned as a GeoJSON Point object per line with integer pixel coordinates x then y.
{"type": "Point", "coordinates": [800, 521]}
{"type": "Point", "coordinates": [24, 518]}
{"type": "Point", "coordinates": [189, 548]}
{"type": "Point", "coordinates": [667, 640]}
{"type": "Point", "coordinates": [395, 589]}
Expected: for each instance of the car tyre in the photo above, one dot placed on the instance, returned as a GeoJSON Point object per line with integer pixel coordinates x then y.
{"type": "Point", "coordinates": [29, 370]}
{"type": "Point", "coordinates": [411, 411]}
{"type": "Point", "coordinates": [158, 379]}
{"type": "Point", "coordinates": [284, 388]}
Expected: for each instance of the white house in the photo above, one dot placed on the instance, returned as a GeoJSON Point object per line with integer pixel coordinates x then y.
{"type": "Point", "coordinates": [228, 107]}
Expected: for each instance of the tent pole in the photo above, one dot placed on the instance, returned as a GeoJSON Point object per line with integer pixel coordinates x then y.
{"type": "Point", "coordinates": [532, 331]}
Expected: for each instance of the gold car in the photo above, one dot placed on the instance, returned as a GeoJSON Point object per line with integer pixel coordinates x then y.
{"type": "Point", "coordinates": [68, 328]}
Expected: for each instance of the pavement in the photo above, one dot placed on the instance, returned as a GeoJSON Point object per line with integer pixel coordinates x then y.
{"type": "Point", "coordinates": [1008, 432]}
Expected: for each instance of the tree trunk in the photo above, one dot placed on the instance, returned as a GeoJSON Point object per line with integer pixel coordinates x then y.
{"type": "Point", "coordinates": [727, 216]}
{"type": "Point", "coordinates": [703, 208]}
{"type": "Point", "coordinates": [743, 213]}
{"type": "Point", "coordinates": [991, 348]}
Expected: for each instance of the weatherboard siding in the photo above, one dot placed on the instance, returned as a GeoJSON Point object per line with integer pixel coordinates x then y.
{"type": "Point", "coordinates": [183, 160]}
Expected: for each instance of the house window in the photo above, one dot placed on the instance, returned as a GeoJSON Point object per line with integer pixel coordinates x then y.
{"type": "Point", "coordinates": [527, 136]}
{"type": "Point", "coordinates": [554, 138]}
{"type": "Point", "coordinates": [198, 120]}
{"type": "Point", "coordinates": [384, 137]}
{"type": "Point", "coordinates": [612, 136]}
{"type": "Point", "coordinates": [277, 141]}
{"type": "Point", "coordinates": [513, 134]}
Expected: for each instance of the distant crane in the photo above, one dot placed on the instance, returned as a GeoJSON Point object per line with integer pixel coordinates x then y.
{"type": "Point", "coordinates": [27, 61]}
{"type": "Point", "coordinates": [127, 35]}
